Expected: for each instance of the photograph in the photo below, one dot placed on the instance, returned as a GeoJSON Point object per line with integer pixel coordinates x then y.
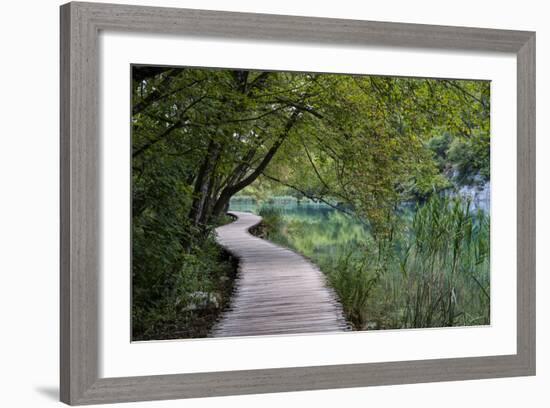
{"type": "Point", "coordinates": [281, 202]}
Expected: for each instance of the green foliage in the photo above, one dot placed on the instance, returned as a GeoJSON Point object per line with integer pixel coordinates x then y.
{"type": "Point", "coordinates": [439, 144]}
{"type": "Point", "coordinates": [465, 160]}
{"type": "Point", "coordinates": [471, 158]}
{"type": "Point", "coordinates": [181, 295]}
{"type": "Point", "coordinates": [369, 147]}
{"type": "Point", "coordinates": [175, 264]}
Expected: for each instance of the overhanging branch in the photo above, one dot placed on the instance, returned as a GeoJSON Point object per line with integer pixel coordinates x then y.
{"type": "Point", "coordinates": [313, 197]}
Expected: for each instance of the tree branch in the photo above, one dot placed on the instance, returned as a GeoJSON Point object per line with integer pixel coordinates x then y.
{"type": "Point", "coordinates": [230, 190]}
{"type": "Point", "coordinates": [301, 107]}
{"type": "Point", "coordinates": [267, 158]}
{"type": "Point", "coordinates": [151, 143]}
{"type": "Point", "coordinates": [465, 92]}
{"type": "Point", "coordinates": [175, 125]}
{"type": "Point", "coordinates": [158, 94]}
{"type": "Point", "coordinates": [313, 197]}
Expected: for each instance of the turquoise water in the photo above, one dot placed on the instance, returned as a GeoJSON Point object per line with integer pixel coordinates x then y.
{"type": "Point", "coordinates": [286, 205]}
{"type": "Point", "coordinates": [314, 229]}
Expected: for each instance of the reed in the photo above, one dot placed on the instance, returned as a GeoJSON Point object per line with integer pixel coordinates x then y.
{"type": "Point", "coordinates": [445, 266]}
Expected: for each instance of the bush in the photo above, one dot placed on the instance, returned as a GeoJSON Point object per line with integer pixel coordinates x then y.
{"type": "Point", "coordinates": [179, 286]}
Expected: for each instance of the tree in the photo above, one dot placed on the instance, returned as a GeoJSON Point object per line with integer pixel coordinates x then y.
{"type": "Point", "coordinates": [356, 140]}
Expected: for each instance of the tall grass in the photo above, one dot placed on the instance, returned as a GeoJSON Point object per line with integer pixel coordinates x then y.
{"type": "Point", "coordinates": [272, 226]}
{"type": "Point", "coordinates": [445, 266]}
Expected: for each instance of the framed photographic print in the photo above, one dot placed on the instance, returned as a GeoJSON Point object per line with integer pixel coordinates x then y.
{"type": "Point", "coordinates": [260, 203]}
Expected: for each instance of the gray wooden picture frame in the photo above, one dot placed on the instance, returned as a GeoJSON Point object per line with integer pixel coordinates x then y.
{"type": "Point", "coordinates": [80, 233]}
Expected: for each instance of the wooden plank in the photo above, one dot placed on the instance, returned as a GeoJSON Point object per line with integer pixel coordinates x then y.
{"type": "Point", "coordinates": [277, 290]}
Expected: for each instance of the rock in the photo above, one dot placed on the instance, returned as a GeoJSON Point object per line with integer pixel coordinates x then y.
{"type": "Point", "coordinates": [202, 300]}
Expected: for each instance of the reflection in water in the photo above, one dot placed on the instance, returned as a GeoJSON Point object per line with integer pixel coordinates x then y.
{"type": "Point", "coordinates": [314, 229]}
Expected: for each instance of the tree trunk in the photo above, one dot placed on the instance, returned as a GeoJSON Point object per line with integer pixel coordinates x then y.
{"type": "Point", "coordinates": [229, 191]}
{"type": "Point", "coordinates": [203, 183]}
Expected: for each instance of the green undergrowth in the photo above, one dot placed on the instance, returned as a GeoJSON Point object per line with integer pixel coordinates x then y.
{"type": "Point", "coordinates": [179, 288]}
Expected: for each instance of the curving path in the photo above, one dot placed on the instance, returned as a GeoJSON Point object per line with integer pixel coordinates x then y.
{"type": "Point", "coordinates": [277, 291]}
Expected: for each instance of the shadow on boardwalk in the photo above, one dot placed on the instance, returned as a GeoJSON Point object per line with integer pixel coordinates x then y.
{"type": "Point", "coordinates": [277, 290]}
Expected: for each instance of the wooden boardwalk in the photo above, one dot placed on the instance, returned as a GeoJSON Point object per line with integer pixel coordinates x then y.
{"type": "Point", "coordinates": [277, 291]}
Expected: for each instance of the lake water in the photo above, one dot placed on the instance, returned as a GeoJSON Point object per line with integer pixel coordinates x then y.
{"type": "Point", "coordinates": [314, 229]}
